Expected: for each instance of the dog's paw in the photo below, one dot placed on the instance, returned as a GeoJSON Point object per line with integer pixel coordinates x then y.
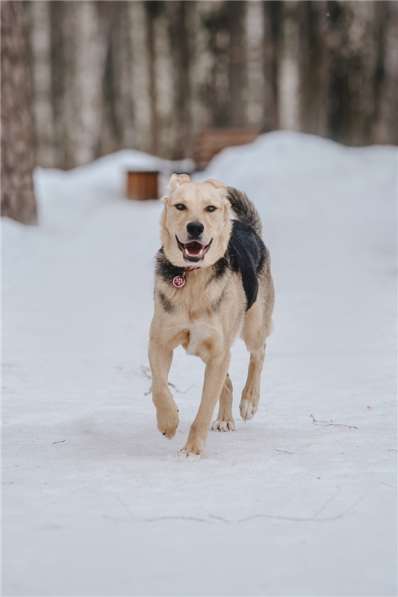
{"type": "Point", "coordinates": [247, 409]}
{"type": "Point", "coordinates": [194, 446]}
{"type": "Point", "coordinates": [168, 420]}
{"type": "Point", "coordinates": [183, 454]}
{"type": "Point", "coordinates": [223, 425]}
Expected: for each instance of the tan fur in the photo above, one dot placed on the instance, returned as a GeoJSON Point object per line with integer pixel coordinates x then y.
{"type": "Point", "coordinates": [206, 316]}
{"type": "Point", "coordinates": [196, 197]}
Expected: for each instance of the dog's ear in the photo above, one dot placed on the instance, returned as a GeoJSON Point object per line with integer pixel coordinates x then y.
{"type": "Point", "coordinates": [216, 183]}
{"type": "Point", "coordinates": [176, 180]}
{"type": "Point", "coordinates": [221, 188]}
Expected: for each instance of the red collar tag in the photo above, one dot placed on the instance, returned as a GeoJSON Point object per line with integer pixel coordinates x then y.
{"type": "Point", "coordinates": [178, 281]}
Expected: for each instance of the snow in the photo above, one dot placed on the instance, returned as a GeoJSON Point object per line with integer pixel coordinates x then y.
{"type": "Point", "coordinates": [299, 501]}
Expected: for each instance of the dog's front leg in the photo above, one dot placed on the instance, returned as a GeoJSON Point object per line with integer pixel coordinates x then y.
{"type": "Point", "coordinates": [216, 371]}
{"type": "Point", "coordinates": [160, 356]}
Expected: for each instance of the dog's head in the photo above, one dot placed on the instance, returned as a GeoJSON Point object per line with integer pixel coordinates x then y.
{"type": "Point", "coordinates": [196, 222]}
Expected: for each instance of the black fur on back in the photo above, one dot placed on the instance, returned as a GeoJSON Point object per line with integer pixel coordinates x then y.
{"type": "Point", "coordinates": [246, 256]}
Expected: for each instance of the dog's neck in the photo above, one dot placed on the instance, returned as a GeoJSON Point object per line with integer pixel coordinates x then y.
{"type": "Point", "coordinates": [168, 271]}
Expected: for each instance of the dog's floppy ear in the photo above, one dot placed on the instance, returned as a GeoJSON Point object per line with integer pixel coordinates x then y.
{"type": "Point", "coordinates": [176, 180]}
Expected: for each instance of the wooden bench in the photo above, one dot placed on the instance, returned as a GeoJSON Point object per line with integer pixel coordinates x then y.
{"type": "Point", "coordinates": [211, 141]}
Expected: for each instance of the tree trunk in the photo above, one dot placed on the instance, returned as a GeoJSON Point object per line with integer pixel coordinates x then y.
{"type": "Point", "coordinates": [352, 50]}
{"type": "Point", "coordinates": [179, 33]}
{"type": "Point", "coordinates": [17, 154]}
{"type": "Point", "coordinates": [152, 9]}
{"type": "Point", "coordinates": [385, 129]}
{"type": "Point", "coordinates": [313, 67]}
{"type": "Point", "coordinates": [38, 16]}
{"type": "Point", "coordinates": [289, 72]}
{"type": "Point", "coordinates": [215, 91]}
{"type": "Point", "coordinates": [62, 43]}
{"type": "Point", "coordinates": [272, 22]}
{"type": "Point", "coordinates": [237, 67]}
{"type": "Point", "coordinates": [116, 113]}
{"type": "Point", "coordinates": [77, 63]}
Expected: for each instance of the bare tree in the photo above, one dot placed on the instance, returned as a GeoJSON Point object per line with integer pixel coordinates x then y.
{"type": "Point", "coordinates": [151, 74]}
{"type": "Point", "coordinates": [272, 33]}
{"type": "Point", "coordinates": [116, 110]}
{"type": "Point", "coordinates": [350, 46]}
{"type": "Point", "coordinates": [215, 91]}
{"type": "Point", "coordinates": [237, 67]}
{"type": "Point", "coordinates": [38, 15]}
{"type": "Point", "coordinates": [385, 128]}
{"type": "Point", "coordinates": [313, 66]}
{"type": "Point", "coordinates": [178, 13]}
{"type": "Point", "coordinates": [17, 157]}
{"type": "Point", "coordinates": [152, 10]}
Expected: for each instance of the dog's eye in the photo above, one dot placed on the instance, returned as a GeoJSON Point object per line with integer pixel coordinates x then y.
{"type": "Point", "coordinates": [180, 206]}
{"type": "Point", "coordinates": [211, 208]}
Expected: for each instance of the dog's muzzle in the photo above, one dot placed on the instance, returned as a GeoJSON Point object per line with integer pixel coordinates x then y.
{"type": "Point", "coordinates": [193, 250]}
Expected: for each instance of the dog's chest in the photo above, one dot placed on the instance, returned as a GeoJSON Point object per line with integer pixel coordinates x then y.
{"type": "Point", "coordinates": [195, 306]}
{"type": "Point", "coordinates": [199, 298]}
{"type": "Point", "coordinates": [194, 314]}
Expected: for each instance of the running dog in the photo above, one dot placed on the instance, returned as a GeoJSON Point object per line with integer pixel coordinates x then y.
{"type": "Point", "coordinates": [213, 281]}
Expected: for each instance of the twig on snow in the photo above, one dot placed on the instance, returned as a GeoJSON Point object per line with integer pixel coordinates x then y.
{"type": "Point", "coordinates": [331, 424]}
{"type": "Point", "coordinates": [147, 373]}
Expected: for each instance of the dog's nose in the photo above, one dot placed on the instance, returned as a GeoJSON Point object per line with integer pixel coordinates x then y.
{"type": "Point", "coordinates": [195, 229]}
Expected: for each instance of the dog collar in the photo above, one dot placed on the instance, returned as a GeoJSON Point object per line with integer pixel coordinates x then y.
{"type": "Point", "coordinates": [180, 280]}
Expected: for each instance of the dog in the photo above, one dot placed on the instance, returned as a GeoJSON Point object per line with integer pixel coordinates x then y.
{"type": "Point", "coordinates": [212, 282]}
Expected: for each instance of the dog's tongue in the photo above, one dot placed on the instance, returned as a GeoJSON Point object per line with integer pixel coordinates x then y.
{"type": "Point", "coordinates": [194, 248]}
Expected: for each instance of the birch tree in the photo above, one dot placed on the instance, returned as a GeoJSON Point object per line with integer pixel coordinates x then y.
{"type": "Point", "coordinates": [17, 157]}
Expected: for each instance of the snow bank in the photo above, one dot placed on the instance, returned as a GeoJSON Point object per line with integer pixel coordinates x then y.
{"type": "Point", "coordinates": [299, 501]}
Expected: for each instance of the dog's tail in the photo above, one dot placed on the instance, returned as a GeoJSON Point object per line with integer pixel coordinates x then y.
{"type": "Point", "coordinates": [244, 209]}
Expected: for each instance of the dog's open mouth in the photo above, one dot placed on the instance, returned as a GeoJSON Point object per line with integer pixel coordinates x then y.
{"type": "Point", "coordinates": [193, 250]}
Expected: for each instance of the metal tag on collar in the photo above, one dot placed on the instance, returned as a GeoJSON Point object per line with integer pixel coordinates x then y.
{"type": "Point", "coordinates": [179, 281]}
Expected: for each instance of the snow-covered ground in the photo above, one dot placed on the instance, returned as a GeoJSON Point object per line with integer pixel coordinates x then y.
{"type": "Point", "coordinates": [299, 501]}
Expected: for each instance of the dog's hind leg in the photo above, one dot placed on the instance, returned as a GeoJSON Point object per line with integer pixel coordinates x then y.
{"type": "Point", "coordinates": [225, 421]}
{"type": "Point", "coordinates": [251, 392]}
{"type": "Point", "coordinates": [256, 329]}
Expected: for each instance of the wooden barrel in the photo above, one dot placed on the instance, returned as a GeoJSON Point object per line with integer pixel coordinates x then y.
{"type": "Point", "coordinates": [143, 184]}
